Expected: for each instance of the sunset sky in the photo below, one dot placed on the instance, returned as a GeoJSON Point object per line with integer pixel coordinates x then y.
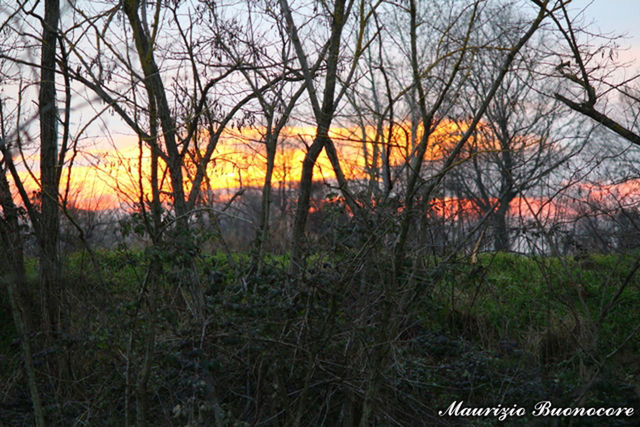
{"type": "Point", "coordinates": [102, 172]}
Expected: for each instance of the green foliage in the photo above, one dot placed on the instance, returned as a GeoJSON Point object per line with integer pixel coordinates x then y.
{"type": "Point", "coordinates": [511, 329]}
{"type": "Point", "coordinates": [548, 319]}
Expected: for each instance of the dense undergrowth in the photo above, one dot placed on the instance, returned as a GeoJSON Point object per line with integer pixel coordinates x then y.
{"type": "Point", "coordinates": [506, 330]}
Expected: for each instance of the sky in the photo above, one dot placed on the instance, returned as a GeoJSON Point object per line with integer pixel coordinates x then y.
{"type": "Point", "coordinates": [615, 17]}
{"type": "Point", "coordinates": [611, 17]}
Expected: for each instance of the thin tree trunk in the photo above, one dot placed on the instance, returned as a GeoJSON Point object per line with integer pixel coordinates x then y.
{"type": "Point", "coordinates": [143, 376]}
{"type": "Point", "coordinates": [262, 233]}
{"type": "Point", "coordinates": [501, 239]}
{"type": "Point", "coordinates": [49, 221]}
{"type": "Point", "coordinates": [19, 298]}
{"type": "Point", "coordinates": [324, 117]}
{"type": "Point", "coordinates": [302, 208]}
{"type": "Point", "coordinates": [19, 314]}
{"type": "Point", "coordinates": [153, 82]}
{"type": "Point", "coordinates": [501, 232]}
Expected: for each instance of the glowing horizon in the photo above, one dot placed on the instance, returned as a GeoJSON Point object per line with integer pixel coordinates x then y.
{"type": "Point", "coordinates": [103, 179]}
{"type": "Point", "coordinates": [108, 178]}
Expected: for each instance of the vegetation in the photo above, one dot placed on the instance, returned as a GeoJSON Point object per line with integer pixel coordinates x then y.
{"type": "Point", "coordinates": [509, 329]}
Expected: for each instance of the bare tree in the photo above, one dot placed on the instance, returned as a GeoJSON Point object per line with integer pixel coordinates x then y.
{"type": "Point", "coordinates": [43, 213]}
{"type": "Point", "coordinates": [323, 109]}
{"type": "Point", "coordinates": [589, 80]}
{"type": "Point", "coordinates": [15, 278]}
{"type": "Point", "coordinates": [520, 140]}
{"type": "Point", "coordinates": [49, 169]}
{"type": "Point", "coordinates": [266, 61]}
{"type": "Point", "coordinates": [434, 105]}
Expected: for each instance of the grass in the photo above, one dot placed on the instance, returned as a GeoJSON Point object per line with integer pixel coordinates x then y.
{"type": "Point", "coordinates": [511, 329]}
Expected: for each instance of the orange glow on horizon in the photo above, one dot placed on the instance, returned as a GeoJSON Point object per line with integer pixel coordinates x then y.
{"type": "Point", "coordinates": [110, 178]}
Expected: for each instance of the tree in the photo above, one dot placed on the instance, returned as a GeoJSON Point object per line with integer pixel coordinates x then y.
{"type": "Point", "coordinates": [15, 276]}
{"type": "Point", "coordinates": [586, 72]}
{"type": "Point", "coordinates": [520, 140]}
{"type": "Point", "coordinates": [323, 109]}
{"type": "Point", "coordinates": [50, 169]}
{"type": "Point", "coordinates": [435, 74]}
{"type": "Point", "coordinates": [43, 213]}
{"type": "Point", "coordinates": [277, 97]}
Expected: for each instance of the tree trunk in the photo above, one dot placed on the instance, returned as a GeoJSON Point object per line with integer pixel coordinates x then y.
{"type": "Point", "coordinates": [19, 316]}
{"type": "Point", "coordinates": [501, 234]}
{"type": "Point", "coordinates": [324, 117]}
{"type": "Point", "coordinates": [302, 209]}
{"type": "Point", "coordinates": [19, 298]}
{"type": "Point", "coordinates": [49, 221]}
{"type": "Point", "coordinates": [262, 233]}
{"type": "Point", "coordinates": [153, 83]}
